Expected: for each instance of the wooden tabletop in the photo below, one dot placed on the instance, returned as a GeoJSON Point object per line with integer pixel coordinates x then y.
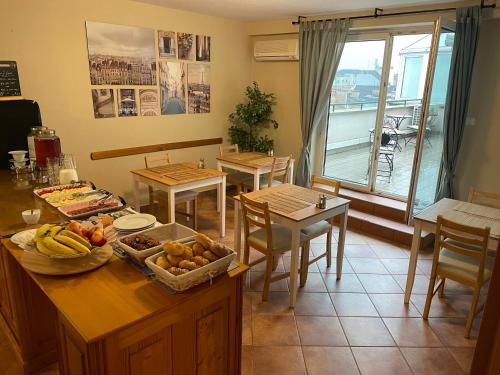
{"type": "Point", "coordinates": [14, 201]}
{"type": "Point", "coordinates": [253, 160]}
{"type": "Point", "coordinates": [111, 297]}
{"type": "Point", "coordinates": [464, 213]}
{"type": "Point", "coordinates": [178, 173]}
{"type": "Point", "coordinates": [294, 202]}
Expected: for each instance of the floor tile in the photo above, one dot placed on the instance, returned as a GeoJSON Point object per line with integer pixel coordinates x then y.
{"type": "Point", "coordinates": [420, 285]}
{"type": "Point", "coordinates": [271, 330]}
{"type": "Point", "coordinates": [346, 266]}
{"type": "Point", "coordinates": [246, 360]}
{"type": "Point", "coordinates": [435, 361]}
{"type": "Point", "coordinates": [286, 263]}
{"type": "Point", "coordinates": [278, 303]}
{"type": "Point", "coordinates": [378, 361]}
{"type": "Point", "coordinates": [314, 283]}
{"type": "Point", "coordinates": [320, 331]}
{"type": "Point", "coordinates": [389, 251]}
{"type": "Point", "coordinates": [348, 283]}
{"type": "Point", "coordinates": [317, 249]}
{"type": "Point", "coordinates": [329, 360]}
{"type": "Point", "coordinates": [463, 356]}
{"type": "Point", "coordinates": [414, 332]}
{"type": "Point", "coordinates": [257, 283]}
{"type": "Point", "coordinates": [247, 330]}
{"type": "Point", "coordinates": [353, 304]}
{"type": "Point", "coordinates": [450, 306]}
{"type": "Point", "coordinates": [379, 283]}
{"type": "Point", "coordinates": [283, 360]}
{"type": "Point", "coordinates": [359, 251]}
{"type": "Point", "coordinates": [368, 265]}
{"type": "Point", "coordinates": [366, 332]}
{"type": "Point", "coordinates": [425, 266]}
{"type": "Point", "coordinates": [318, 304]}
{"type": "Point", "coordinates": [353, 238]}
{"type": "Point", "coordinates": [398, 266]}
{"type": "Point", "coordinates": [393, 306]}
{"type": "Point", "coordinates": [451, 331]}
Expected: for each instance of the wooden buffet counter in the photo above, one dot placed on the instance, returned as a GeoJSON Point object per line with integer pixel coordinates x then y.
{"type": "Point", "coordinates": [115, 320]}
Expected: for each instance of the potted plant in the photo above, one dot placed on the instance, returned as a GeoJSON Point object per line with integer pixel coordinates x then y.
{"type": "Point", "coordinates": [250, 118]}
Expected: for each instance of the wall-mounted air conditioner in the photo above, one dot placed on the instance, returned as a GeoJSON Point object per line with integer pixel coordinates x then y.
{"type": "Point", "coordinates": [276, 50]}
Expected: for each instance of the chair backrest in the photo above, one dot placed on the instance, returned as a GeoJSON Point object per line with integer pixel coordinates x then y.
{"type": "Point", "coordinates": [230, 149]}
{"type": "Point", "coordinates": [156, 161]}
{"type": "Point", "coordinates": [256, 213]}
{"type": "Point", "coordinates": [280, 169]}
{"type": "Point", "coordinates": [484, 198]}
{"type": "Point", "coordinates": [325, 185]}
{"type": "Point", "coordinates": [463, 237]}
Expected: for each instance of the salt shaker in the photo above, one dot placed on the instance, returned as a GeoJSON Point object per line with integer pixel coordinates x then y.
{"type": "Point", "coordinates": [321, 201]}
{"type": "Point", "coordinates": [201, 164]}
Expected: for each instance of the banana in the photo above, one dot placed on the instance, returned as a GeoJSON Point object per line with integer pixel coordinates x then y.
{"type": "Point", "coordinates": [44, 249]}
{"type": "Point", "coordinates": [58, 247]}
{"type": "Point", "coordinates": [73, 244]}
{"type": "Point", "coordinates": [76, 237]}
{"type": "Point", "coordinates": [55, 229]}
{"type": "Point", "coordinates": [43, 231]}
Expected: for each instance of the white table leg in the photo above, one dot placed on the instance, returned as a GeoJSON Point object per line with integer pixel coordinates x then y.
{"type": "Point", "coordinates": [137, 199]}
{"type": "Point", "coordinates": [237, 228]}
{"type": "Point", "coordinates": [294, 265]}
{"type": "Point", "coordinates": [222, 204]}
{"type": "Point", "coordinates": [291, 176]}
{"type": "Point", "coordinates": [219, 168]}
{"type": "Point", "coordinates": [171, 206]}
{"type": "Point", "coordinates": [412, 266]}
{"type": "Point", "coordinates": [256, 181]}
{"type": "Point", "coordinates": [340, 245]}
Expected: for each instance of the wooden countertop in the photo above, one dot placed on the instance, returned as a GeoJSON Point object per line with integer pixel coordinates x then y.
{"type": "Point", "coordinates": [111, 297]}
{"type": "Point", "coordinates": [13, 202]}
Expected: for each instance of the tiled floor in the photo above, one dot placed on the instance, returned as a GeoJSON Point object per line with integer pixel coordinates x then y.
{"type": "Point", "coordinates": [354, 325]}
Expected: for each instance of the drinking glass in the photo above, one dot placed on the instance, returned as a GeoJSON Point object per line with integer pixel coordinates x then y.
{"type": "Point", "coordinates": [67, 172]}
{"type": "Point", "coordinates": [53, 170]}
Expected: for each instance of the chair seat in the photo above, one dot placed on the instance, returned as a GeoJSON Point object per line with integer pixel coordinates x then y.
{"type": "Point", "coordinates": [465, 267]}
{"type": "Point", "coordinates": [282, 238]}
{"type": "Point", "coordinates": [317, 229]}
{"type": "Point", "coordinates": [180, 197]}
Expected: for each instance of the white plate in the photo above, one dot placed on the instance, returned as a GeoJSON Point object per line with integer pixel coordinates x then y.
{"type": "Point", "coordinates": [24, 239]}
{"type": "Point", "coordinates": [134, 222]}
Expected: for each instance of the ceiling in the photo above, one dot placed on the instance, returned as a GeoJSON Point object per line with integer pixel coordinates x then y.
{"type": "Point", "coordinates": [279, 9]}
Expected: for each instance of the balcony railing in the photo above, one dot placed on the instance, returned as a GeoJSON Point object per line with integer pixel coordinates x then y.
{"type": "Point", "coordinates": [367, 105]}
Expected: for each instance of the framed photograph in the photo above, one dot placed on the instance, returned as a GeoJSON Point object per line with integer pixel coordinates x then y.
{"type": "Point", "coordinates": [202, 48]}
{"type": "Point", "coordinates": [127, 102]}
{"type": "Point", "coordinates": [149, 102]}
{"type": "Point", "coordinates": [172, 87]}
{"type": "Point", "coordinates": [199, 88]}
{"type": "Point", "coordinates": [103, 101]}
{"type": "Point", "coordinates": [121, 55]}
{"type": "Point", "coordinates": [186, 46]}
{"type": "Point", "coordinates": [167, 44]}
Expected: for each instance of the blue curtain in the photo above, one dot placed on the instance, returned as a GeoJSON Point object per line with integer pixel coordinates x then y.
{"type": "Point", "coordinates": [462, 62]}
{"type": "Point", "coordinates": [320, 47]}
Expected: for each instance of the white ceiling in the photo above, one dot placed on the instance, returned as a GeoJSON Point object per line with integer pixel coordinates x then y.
{"type": "Point", "coordinates": [279, 9]}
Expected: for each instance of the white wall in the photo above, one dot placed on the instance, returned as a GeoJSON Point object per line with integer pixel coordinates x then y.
{"type": "Point", "coordinates": [48, 41]}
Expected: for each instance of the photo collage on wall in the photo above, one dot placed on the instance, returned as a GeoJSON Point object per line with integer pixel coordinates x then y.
{"type": "Point", "coordinates": [123, 71]}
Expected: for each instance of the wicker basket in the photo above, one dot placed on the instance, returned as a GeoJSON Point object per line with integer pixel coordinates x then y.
{"type": "Point", "coordinates": [164, 233]}
{"type": "Point", "coordinates": [192, 278]}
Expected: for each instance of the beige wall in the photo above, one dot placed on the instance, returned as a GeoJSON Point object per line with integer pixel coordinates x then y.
{"type": "Point", "coordinates": [47, 39]}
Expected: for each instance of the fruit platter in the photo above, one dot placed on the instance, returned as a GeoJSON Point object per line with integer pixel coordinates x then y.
{"type": "Point", "coordinates": [73, 240]}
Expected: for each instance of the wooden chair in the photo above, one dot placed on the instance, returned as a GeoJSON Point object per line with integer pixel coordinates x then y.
{"type": "Point", "coordinates": [484, 198]}
{"type": "Point", "coordinates": [270, 239]}
{"type": "Point", "coordinates": [233, 178]}
{"type": "Point", "coordinates": [280, 172]}
{"type": "Point", "coordinates": [186, 197]}
{"type": "Point", "coordinates": [327, 186]}
{"type": "Point", "coordinates": [460, 254]}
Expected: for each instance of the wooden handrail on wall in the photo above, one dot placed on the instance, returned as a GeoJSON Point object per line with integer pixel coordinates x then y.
{"type": "Point", "coordinates": [119, 152]}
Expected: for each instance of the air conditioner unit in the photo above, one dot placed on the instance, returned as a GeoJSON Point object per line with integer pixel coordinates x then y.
{"type": "Point", "coordinates": [276, 50]}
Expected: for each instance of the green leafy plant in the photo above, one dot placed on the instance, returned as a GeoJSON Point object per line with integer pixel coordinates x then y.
{"type": "Point", "coordinates": [250, 118]}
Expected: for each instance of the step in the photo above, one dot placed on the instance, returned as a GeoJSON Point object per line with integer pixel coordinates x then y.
{"type": "Point", "coordinates": [376, 205]}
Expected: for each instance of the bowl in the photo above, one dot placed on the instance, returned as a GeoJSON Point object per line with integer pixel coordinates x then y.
{"type": "Point", "coordinates": [31, 217]}
{"type": "Point", "coordinates": [18, 155]}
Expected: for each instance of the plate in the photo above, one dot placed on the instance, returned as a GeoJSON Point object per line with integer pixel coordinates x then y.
{"type": "Point", "coordinates": [134, 222]}
{"type": "Point", "coordinates": [24, 239]}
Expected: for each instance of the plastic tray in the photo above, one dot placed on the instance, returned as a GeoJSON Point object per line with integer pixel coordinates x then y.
{"type": "Point", "coordinates": [65, 209]}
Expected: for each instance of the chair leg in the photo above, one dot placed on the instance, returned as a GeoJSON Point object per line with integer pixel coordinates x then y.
{"type": "Point", "coordinates": [304, 266]}
{"type": "Point", "coordinates": [441, 289]}
{"type": "Point", "coordinates": [428, 300]}
{"type": "Point", "coordinates": [151, 200]}
{"type": "Point", "coordinates": [246, 254]}
{"type": "Point", "coordinates": [188, 210]}
{"type": "Point", "coordinates": [329, 248]}
{"type": "Point", "coordinates": [267, 276]}
{"type": "Point", "coordinates": [472, 312]}
{"type": "Point", "coordinates": [195, 213]}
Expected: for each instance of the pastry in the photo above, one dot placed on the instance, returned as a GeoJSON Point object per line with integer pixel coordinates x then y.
{"type": "Point", "coordinates": [162, 262]}
{"type": "Point", "coordinates": [210, 256]}
{"type": "Point", "coordinates": [177, 271]}
{"type": "Point", "coordinates": [198, 249]}
{"type": "Point", "coordinates": [199, 260]}
{"type": "Point", "coordinates": [204, 240]}
{"type": "Point", "coordinates": [174, 248]}
{"type": "Point", "coordinates": [174, 260]}
{"type": "Point", "coordinates": [220, 250]}
{"type": "Point", "coordinates": [188, 253]}
{"type": "Point", "coordinates": [188, 264]}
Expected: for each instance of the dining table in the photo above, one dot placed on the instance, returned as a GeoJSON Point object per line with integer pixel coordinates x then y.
{"type": "Point", "coordinates": [465, 213]}
{"type": "Point", "coordinates": [295, 207]}
{"type": "Point", "coordinates": [176, 177]}
{"type": "Point", "coordinates": [254, 163]}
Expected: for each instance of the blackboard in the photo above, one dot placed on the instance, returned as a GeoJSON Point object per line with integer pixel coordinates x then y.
{"type": "Point", "coordinates": [9, 79]}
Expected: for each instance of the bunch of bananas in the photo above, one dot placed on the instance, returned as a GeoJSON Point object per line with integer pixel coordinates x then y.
{"type": "Point", "coordinates": [51, 239]}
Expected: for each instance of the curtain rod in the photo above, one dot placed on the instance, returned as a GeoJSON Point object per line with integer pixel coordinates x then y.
{"type": "Point", "coordinates": [377, 12]}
